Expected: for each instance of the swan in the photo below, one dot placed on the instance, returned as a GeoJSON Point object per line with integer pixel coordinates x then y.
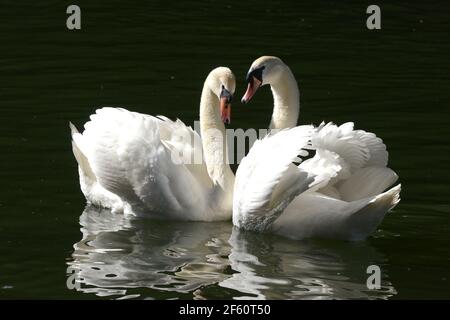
{"type": "Point", "coordinates": [142, 165]}
{"type": "Point", "coordinates": [338, 193]}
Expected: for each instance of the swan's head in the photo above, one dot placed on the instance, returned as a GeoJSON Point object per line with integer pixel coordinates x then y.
{"type": "Point", "coordinates": [264, 70]}
{"type": "Point", "coordinates": [222, 82]}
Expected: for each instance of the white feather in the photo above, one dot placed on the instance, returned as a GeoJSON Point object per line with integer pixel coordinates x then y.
{"type": "Point", "coordinates": [317, 215]}
{"type": "Point", "coordinates": [132, 161]}
{"type": "Point", "coordinates": [266, 180]}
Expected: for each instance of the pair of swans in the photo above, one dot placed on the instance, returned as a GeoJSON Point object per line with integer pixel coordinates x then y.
{"type": "Point", "coordinates": [126, 164]}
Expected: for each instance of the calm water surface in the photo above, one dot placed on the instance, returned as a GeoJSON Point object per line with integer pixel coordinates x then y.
{"type": "Point", "coordinates": [153, 58]}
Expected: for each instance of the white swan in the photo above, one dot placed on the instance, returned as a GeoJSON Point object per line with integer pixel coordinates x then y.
{"type": "Point", "coordinates": [336, 194]}
{"type": "Point", "coordinates": [135, 163]}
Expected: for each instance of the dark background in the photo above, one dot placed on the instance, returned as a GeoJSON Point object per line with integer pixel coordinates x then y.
{"type": "Point", "coordinates": [153, 56]}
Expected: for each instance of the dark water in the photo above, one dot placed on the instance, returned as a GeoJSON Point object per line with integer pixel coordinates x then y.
{"type": "Point", "coordinates": [153, 58]}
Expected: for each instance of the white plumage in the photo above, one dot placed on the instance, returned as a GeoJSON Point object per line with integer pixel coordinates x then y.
{"type": "Point", "coordinates": [144, 165]}
{"type": "Point", "coordinates": [130, 155]}
{"type": "Point", "coordinates": [338, 193]}
{"type": "Point", "coordinates": [263, 176]}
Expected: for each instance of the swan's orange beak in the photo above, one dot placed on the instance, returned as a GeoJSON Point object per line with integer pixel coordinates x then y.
{"type": "Point", "coordinates": [253, 85]}
{"type": "Point", "coordinates": [225, 110]}
{"type": "Point", "coordinates": [225, 105]}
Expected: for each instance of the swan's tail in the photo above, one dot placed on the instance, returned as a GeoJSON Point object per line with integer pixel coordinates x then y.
{"type": "Point", "coordinates": [390, 198]}
{"type": "Point", "coordinates": [365, 221]}
{"type": "Point", "coordinates": [80, 156]}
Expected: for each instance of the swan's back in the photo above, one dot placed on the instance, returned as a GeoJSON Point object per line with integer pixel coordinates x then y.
{"type": "Point", "coordinates": [363, 158]}
{"type": "Point", "coordinates": [338, 193]}
{"type": "Point", "coordinates": [351, 204]}
{"type": "Point", "coordinates": [131, 155]}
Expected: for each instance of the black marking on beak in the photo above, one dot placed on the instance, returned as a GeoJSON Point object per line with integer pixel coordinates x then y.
{"type": "Point", "coordinates": [225, 93]}
{"type": "Point", "coordinates": [257, 73]}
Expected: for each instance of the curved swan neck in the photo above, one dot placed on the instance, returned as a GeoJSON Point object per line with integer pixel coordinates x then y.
{"type": "Point", "coordinates": [214, 142]}
{"type": "Point", "coordinates": [286, 98]}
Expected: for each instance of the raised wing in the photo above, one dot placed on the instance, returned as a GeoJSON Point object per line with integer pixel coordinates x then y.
{"type": "Point", "coordinates": [356, 147]}
{"type": "Point", "coordinates": [267, 180]}
{"type": "Point", "coordinates": [132, 155]}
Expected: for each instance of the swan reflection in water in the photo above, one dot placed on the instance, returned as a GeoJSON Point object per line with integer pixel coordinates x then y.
{"type": "Point", "coordinates": [123, 258]}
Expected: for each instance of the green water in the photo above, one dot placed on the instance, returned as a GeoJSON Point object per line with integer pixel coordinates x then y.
{"type": "Point", "coordinates": [153, 58]}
